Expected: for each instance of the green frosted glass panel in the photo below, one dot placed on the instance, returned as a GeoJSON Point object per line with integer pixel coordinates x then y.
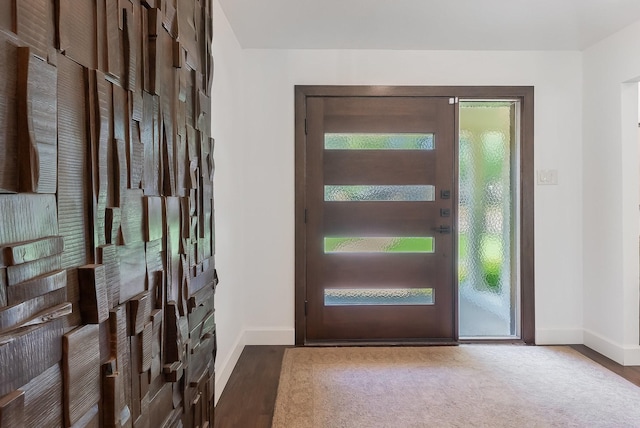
{"type": "Point", "coordinates": [379, 245]}
{"type": "Point", "coordinates": [487, 284]}
{"type": "Point", "coordinates": [378, 296]}
{"type": "Point", "coordinates": [379, 193]}
{"type": "Point", "coordinates": [343, 141]}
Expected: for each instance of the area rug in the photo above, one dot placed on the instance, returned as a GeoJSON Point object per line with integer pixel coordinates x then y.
{"type": "Point", "coordinates": [451, 386]}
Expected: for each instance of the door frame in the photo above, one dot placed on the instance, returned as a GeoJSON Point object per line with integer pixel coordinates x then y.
{"type": "Point", "coordinates": [525, 94]}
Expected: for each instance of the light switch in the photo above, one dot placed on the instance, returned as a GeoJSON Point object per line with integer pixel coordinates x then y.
{"type": "Point", "coordinates": [547, 177]}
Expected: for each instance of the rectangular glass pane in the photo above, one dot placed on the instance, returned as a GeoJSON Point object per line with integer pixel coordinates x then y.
{"type": "Point", "coordinates": [340, 141]}
{"type": "Point", "coordinates": [378, 296]}
{"type": "Point", "coordinates": [487, 267]}
{"type": "Point", "coordinates": [379, 245]}
{"type": "Point", "coordinates": [379, 193]}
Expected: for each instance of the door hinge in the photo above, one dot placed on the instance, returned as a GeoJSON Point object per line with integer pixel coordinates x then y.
{"type": "Point", "coordinates": [453, 100]}
{"type": "Point", "coordinates": [305, 126]}
{"type": "Point", "coordinates": [306, 305]}
{"type": "Point", "coordinates": [305, 215]}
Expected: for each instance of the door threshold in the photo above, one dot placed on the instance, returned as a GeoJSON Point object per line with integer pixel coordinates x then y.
{"type": "Point", "coordinates": [381, 343]}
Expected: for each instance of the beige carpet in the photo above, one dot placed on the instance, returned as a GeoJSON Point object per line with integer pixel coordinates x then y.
{"type": "Point", "coordinates": [464, 386]}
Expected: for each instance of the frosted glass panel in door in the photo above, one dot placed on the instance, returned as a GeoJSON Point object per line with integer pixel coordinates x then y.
{"type": "Point", "coordinates": [487, 264]}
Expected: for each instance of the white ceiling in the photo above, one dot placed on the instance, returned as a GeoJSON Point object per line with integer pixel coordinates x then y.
{"type": "Point", "coordinates": [427, 24]}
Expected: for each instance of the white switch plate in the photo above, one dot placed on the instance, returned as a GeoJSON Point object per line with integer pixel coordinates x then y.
{"type": "Point", "coordinates": [548, 177]}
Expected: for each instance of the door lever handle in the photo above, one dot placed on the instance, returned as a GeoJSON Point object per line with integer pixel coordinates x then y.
{"type": "Point", "coordinates": [443, 229]}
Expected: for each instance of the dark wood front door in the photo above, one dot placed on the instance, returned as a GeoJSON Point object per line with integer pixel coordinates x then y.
{"type": "Point", "coordinates": [380, 216]}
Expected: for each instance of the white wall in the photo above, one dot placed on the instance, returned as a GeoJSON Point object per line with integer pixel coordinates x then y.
{"type": "Point", "coordinates": [229, 197]}
{"type": "Point", "coordinates": [269, 79]}
{"type": "Point", "coordinates": [610, 205]}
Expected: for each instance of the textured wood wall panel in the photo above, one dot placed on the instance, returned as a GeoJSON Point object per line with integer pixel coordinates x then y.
{"type": "Point", "coordinates": [107, 275]}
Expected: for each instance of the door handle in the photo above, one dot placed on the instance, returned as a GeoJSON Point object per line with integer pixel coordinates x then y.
{"type": "Point", "coordinates": [443, 229]}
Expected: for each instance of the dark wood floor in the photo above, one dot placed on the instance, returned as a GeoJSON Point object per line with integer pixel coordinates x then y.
{"type": "Point", "coordinates": [249, 398]}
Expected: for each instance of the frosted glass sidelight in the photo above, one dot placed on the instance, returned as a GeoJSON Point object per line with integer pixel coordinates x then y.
{"type": "Point", "coordinates": [340, 141]}
{"type": "Point", "coordinates": [379, 245]}
{"type": "Point", "coordinates": [378, 296]}
{"type": "Point", "coordinates": [486, 265]}
{"type": "Point", "coordinates": [379, 193]}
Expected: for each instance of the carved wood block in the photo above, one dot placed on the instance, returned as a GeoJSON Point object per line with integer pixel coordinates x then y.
{"type": "Point", "coordinates": [37, 110]}
{"type": "Point", "coordinates": [32, 17]}
{"type": "Point", "coordinates": [77, 32]}
{"type": "Point", "coordinates": [173, 345]}
{"type": "Point", "coordinates": [144, 391]}
{"type": "Point", "coordinates": [120, 114]}
{"type": "Point", "coordinates": [172, 219]}
{"type": "Point", "coordinates": [121, 179]}
{"type": "Point", "coordinates": [133, 229]}
{"type": "Point", "coordinates": [153, 217]}
{"type": "Point", "coordinates": [99, 98]}
{"type": "Point", "coordinates": [28, 271]}
{"type": "Point", "coordinates": [27, 217]}
{"type": "Point", "coordinates": [139, 312]}
{"type": "Point", "coordinates": [156, 344]}
{"type": "Point", "coordinates": [108, 256]}
{"type": "Point", "coordinates": [132, 270]}
{"type": "Point", "coordinates": [145, 343]}
{"type": "Point", "coordinates": [118, 327]}
{"type": "Point", "coordinates": [81, 372]}
{"type": "Point", "coordinates": [27, 353]}
{"type": "Point", "coordinates": [154, 23]}
{"type": "Point", "coordinates": [48, 315]}
{"type": "Point", "coordinates": [150, 138]}
{"type": "Point", "coordinates": [155, 272]}
{"type": "Point", "coordinates": [15, 315]}
{"type": "Point", "coordinates": [91, 419]}
{"type": "Point", "coordinates": [113, 225]}
{"type": "Point", "coordinates": [187, 26]}
{"type": "Point", "coordinates": [7, 17]}
{"type": "Point", "coordinates": [160, 405]}
{"type": "Point", "coordinates": [169, 22]}
{"type": "Point", "coordinates": [135, 378]}
{"type": "Point", "coordinates": [114, 49]}
{"type": "Point", "coordinates": [38, 286]}
{"type": "Point", "coordinates": [12, 410]}
{"type": "Point", "coordinates": [3, 287]}
{"type": "Point", "coordinates": [111, 393]}
{"type": "Point", "coordinates": [131, 47]}
{"type": "Point", "coordinates": [23, 252]}
{"type": "Point", "coordinates": [94, 303]}
{"type": "Point", "coordinates": [136, 156]}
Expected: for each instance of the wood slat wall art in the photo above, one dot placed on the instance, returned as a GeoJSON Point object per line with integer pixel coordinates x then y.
{"type": "Point", "coordinates": [107, 272]}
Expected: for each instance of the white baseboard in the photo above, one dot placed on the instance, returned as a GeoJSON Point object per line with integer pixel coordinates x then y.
{"type": "Point", "coordinates": [625, 355]}
{"type": "Point", "coordinates": [283, 336]}
{"type": "Point", "coordinates": [552, 336]}
{"type": "Point", "coordinates": [226, 368]}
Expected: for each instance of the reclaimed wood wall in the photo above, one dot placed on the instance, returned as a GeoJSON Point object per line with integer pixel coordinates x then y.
{"type": "Point", "coordinates": [107, 273]}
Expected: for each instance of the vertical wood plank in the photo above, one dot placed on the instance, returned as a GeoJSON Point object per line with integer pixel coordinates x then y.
{"type": "Point", "coordinates": [77, 31]}
{"type": "Point", "coordinates": [43, 399]}
{"type": "Point", "coordinates": [12, 410]}
{"type": "Point", "coordinates": [94, 303]}
{"type": "Point", "coordinates": [108, 256]}
{"type": "Point", "coordinates": [132, 270]}
{"type": "Point", "coordinates": [32, 18]}
{"type": "Point", "coordinates": [81, 370]}
{"type": "Point", "coordinates": [8, 126]}
{"type": "Point", "coordinates": [37, 110]}
{"type": "Point", "coordinates": [73, 171]}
